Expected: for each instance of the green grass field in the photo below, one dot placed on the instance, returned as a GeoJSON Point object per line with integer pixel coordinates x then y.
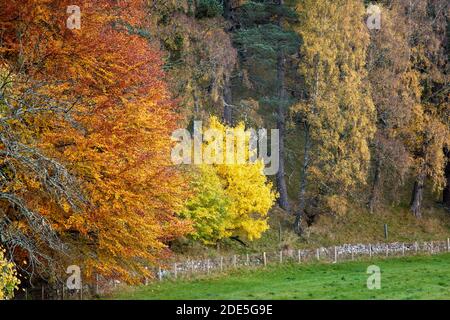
{"type": "Point", "coordinates": [420, 277]}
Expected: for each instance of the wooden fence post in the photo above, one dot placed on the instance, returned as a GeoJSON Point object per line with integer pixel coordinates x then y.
{"type": "Point", "coordinates": [248, 260]}
{"type": "Point", "coordinates": [387, 250]}
{"type": "Point", "coordinates": [370, 250]}
{"type": "Point", "coordinates": [448, 244]}
{"type": "Point", "coordinates": [264, 259]}
{"type": "Point", "coordinates": [42, 292]}
{"type": "Point", "coordinates": [221, 263]}
{"type": "Point", "coordinates": [207, 265]}
{"type": "Point", "coordinates": [317, 254]}
{"type": "Point", "coordinates": [403, 249]}
{"type": "Point", "coordinates": [299, 256]}
{"type": "Point", "coordinates": [175, 271]}
{"type": "Point", "coordinates": [234, 261]}
{"type": "Point", "coordinates": [416, 246]}
{"type": "Point", "coordinates": [159, 273]}
{"type": "Point", "coordinates": [281, 256]}
{"type": "Point", "coordinates": [353, 258]}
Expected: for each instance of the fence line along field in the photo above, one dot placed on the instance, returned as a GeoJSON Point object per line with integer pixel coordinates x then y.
{"type": "Point", "coordinates": [191, 267]}
{"type": "Point", "coordinates": [409, 277]}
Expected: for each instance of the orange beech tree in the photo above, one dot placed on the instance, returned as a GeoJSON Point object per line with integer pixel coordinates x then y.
{"type": "Point", "coordinates": [109, 124]}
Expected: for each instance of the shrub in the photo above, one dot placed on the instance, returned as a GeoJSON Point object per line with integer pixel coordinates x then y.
{"type": "Point", "coordinates": [8, 277]}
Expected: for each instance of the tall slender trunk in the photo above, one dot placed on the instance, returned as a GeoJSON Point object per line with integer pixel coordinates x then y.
{"type": "Point", "coordinates": [227, 102]}
{"type": "Point", "coordinates": [227, 116]}
{"type": "Point", "coordinates": [375, 186]}
{"type": "Point", "coordinates": [300, 213]}
{"type": "Point", "coordinates": [227, 9]}
{"type": "Point", "coordinates": [446, 196]}
{"type": "Point", "coordinates": [196, 104]}
{"type": "Point", "coordinates": [283, 200]}
{"type": "Point", "coordinates": [417, 195]}
{"type": "Point", "coordinates": [303, 184]}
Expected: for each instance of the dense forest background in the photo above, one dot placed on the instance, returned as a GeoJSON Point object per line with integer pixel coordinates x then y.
{"type": "Point", "coordinates": [86, 118]}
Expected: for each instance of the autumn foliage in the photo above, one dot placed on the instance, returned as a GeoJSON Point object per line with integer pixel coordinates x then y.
{"type": "Point", "coordinates": [113, 134]}
{"type": "Point", "coordinates": [87, 115]}
{"type": "Point", "coordinates": [8, 277]}
{"type": "Point", "coordinates": [229, 199]}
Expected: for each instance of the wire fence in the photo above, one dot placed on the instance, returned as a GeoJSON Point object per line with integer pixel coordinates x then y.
{"type": "Point", "coordinates": [333, 254]}
{"type": "Point", "coordinates": [182, 269]}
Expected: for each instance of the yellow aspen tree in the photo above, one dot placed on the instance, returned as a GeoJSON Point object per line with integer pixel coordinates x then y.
{"type": "Point", "coordinates": [232, 198]}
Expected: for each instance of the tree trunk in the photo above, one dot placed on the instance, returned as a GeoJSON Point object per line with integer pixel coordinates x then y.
{"type": "Point", "coordinates": [417, 196]}
{"type": "Point", "coordinates": [303, 184]}
{"type": "Point", "coordinates": [229, 13]}
{"type": "Point", "coordinates": [376, 186]}
{"type": "Point", "coordinates": [300, 213]}
{"type": "Point", "coordinates": [227, 102]}
{"type": "Point", "coordinates": [196, 105]}
{"type": "Point", "coordinates": [227, 9]}
{"type": "Point", "coordinates": [227, 93]}
{"type": "Point", "coordinates": [283, 200]}
{"type": "Point", "coordinates": [446, 196]}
